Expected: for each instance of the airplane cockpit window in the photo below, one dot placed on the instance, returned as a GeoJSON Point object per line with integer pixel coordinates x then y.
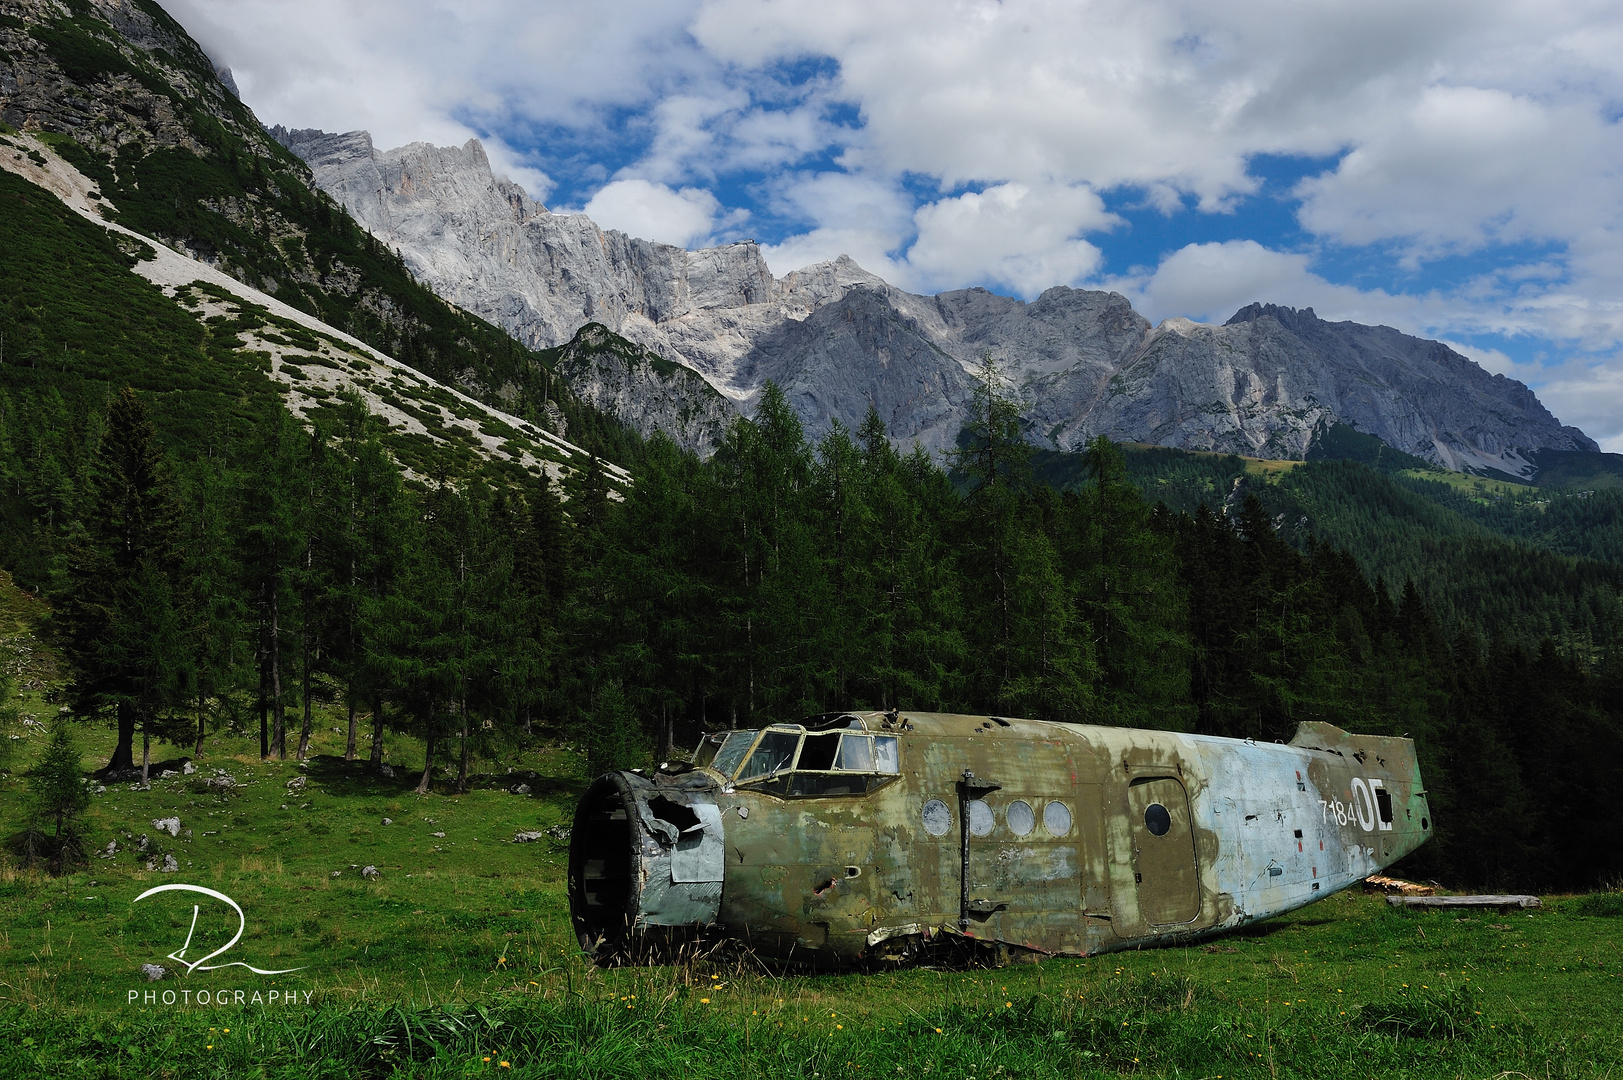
{"type": "Point", "coordinates": [733, 745]}
{"type": "Point", "coordinates": [818, 752]}
{"type": "Point", "coordinates": [784, 761]}
{"type": "Point", "coordinates": [886, 759]}
{"type": "Point", "coordinates": [705, 752]}
{"type": "Point", "coordinates": [773, 754]}
{"type": "Point", "coordinates": [856, 753]}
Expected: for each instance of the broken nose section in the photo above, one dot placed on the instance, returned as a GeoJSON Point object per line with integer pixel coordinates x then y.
{"type": "Point", "coordinates": [645, 863]}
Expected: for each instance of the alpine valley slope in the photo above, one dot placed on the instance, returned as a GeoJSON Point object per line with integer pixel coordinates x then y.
{"type": "Point", "coordinates": [315, 365]}
{"type": "Point", "coordinates": [839, 339]}
{"type": "Point", "coordinates": [126, 121]}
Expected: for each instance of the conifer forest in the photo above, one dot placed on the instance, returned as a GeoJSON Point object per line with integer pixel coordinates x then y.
{"type": "Point", "coordinates": [277, 568]}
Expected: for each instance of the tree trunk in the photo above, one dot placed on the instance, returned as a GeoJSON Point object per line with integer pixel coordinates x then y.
{"type": "Point", "coordinates": [462, 767]}
{"type": "Point", "coordinates": [146, 751]}
{"type": "Point", "coordinates": [304, 732]}
{"type": "Point", "coordinates": [123, 759]}
{"type": "Point", "coordinates": [264, 699]}
{"type": "Point", "coordinates": [428, 756]}
{"type": "Point", "coordinates": [278, 718]}
{"type": "Point", "coordinates": [376, 758]}
{"type": "Point", "coordinates": [197, 751]}
{"type": "Point", "coordinates": [349, 627]}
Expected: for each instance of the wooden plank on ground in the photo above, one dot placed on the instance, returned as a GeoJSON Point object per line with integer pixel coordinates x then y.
{"type": "Point", "coordinates": [1396, 886]}
{"type": "Point", "coordinates": [1496, 901]}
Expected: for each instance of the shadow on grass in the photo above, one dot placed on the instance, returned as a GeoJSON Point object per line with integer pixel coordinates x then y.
{"type": "Point", "coordinates": [1266, 928]}
{"type": "Point", "coordinates": [338, 777]}
{"type": "Point", "coordinates": [540, 786]}
{"type": "Point", "coordinates": [155, 770]}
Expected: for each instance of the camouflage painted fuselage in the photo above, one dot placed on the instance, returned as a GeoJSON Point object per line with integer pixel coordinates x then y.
{"type": "Point", "coordinates": [1076, 839]}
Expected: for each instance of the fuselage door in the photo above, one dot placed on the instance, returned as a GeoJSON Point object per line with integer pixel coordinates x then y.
{"type": "Point", "coordinates": [1164, 861]}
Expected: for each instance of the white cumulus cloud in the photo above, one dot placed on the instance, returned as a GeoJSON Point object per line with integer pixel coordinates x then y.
{"type": "Point", "coordinates": [1022, 237]}
{"type": "Point", "coordinates": [1210, 282]}
{"type": "Point", "coordinates": [1461, 167]}
{"type": "Point", "coordinates": [653, 211]}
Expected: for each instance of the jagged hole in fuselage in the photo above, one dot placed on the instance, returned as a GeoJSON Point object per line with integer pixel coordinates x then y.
{"type": "Point", "coordinates": [603, 879]}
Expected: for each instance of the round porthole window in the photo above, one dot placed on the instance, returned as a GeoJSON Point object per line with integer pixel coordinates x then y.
{"type": "Point", "coordinates": [980, 819]}
{"type": "Point", "coordinates": [1156, 819]}
{"type": "Point", "coordinates": [937, 818]}
{"type": "Point", "coordinates": [1022, 819]}
{"type": "Point", "coordinates": [1057, 819]}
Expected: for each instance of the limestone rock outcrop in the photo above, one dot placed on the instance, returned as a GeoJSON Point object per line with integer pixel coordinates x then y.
{"type": "Point", "coordinates": [1262, 382]}
{"type": "Point", "coordinates": [840, 340]}
{"type": "Point", "coordinates": [644, 390]}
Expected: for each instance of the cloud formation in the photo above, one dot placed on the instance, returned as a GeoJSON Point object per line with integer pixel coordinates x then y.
{"type": "Point", "coordinates": [655, 212]}
{"type": "Point", "coordinates": [1023, 237]}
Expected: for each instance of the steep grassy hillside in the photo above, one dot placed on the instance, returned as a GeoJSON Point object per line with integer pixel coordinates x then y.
{"type": "Point", "coordinates": [77, 324]}
{"type": "Point", "coordinates": [128, 98]}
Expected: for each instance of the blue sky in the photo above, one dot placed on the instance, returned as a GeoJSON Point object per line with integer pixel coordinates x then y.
{"type": "Point", "coordinates": [1452, 169]}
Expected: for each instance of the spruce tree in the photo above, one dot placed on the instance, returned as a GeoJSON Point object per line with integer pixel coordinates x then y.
{"type": "Point", "coordinates": [1017, 617]}
{"type": "Point", "coordinates": [218, 627]}
{"type": "Point", "coordinates": [613, 738]}
{"type": "Point", "coordinates": [122, 600]}
{"type": "Point", "coordinates": [653, 628]}
{"type": "Point", "coordinates": [57, 790]}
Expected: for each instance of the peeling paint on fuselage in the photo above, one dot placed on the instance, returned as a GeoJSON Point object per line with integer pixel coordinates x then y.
{"type": "Point", "coordinates": [1091, 839]}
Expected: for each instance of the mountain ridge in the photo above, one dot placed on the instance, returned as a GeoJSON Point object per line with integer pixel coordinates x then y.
{"type": "Point", "coordinates": [839, 339]}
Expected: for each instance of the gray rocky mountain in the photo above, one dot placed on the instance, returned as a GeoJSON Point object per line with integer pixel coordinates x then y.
{"type": "Point", "coordinates": [643, 389]}
{"type": "Point", "coordinates": [839, 340]}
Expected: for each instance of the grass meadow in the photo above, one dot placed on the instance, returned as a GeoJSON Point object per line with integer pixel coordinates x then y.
{"type": "Point", "coordinates": [457, 961]}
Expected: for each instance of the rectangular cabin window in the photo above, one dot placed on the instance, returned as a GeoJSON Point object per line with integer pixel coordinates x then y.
{"type": "Point", "coordinates": [1383, 803]}
{"type": "Point", "coordinates": [733, 748]}
{"type": "Point", "coordinates": [818, 752]}
{"type": "Point", "coordinates": [886, 759]}
{"type": "Point", "coordinates": [856, 753]}
{"type": "Point", "coordinates": [774, 753]}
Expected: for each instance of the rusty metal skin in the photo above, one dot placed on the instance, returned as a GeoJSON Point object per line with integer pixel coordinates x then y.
{"type": "Point", "coordinates": [862, 837]}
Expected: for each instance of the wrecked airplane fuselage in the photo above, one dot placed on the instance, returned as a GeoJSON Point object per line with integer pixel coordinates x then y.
{"type": "Point", "coordinates": [873, 836]}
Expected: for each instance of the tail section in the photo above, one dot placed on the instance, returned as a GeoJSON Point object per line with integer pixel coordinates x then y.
{"type": "Point", "coordinates": [1370, 787]}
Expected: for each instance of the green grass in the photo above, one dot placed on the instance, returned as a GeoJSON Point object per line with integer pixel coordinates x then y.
{"type": "Point", "coordinates": [1480, 489]}
{"type": "Point", "coordinates": [461, 950]}
{"type": "Point", "coordinates": [78, 942]}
